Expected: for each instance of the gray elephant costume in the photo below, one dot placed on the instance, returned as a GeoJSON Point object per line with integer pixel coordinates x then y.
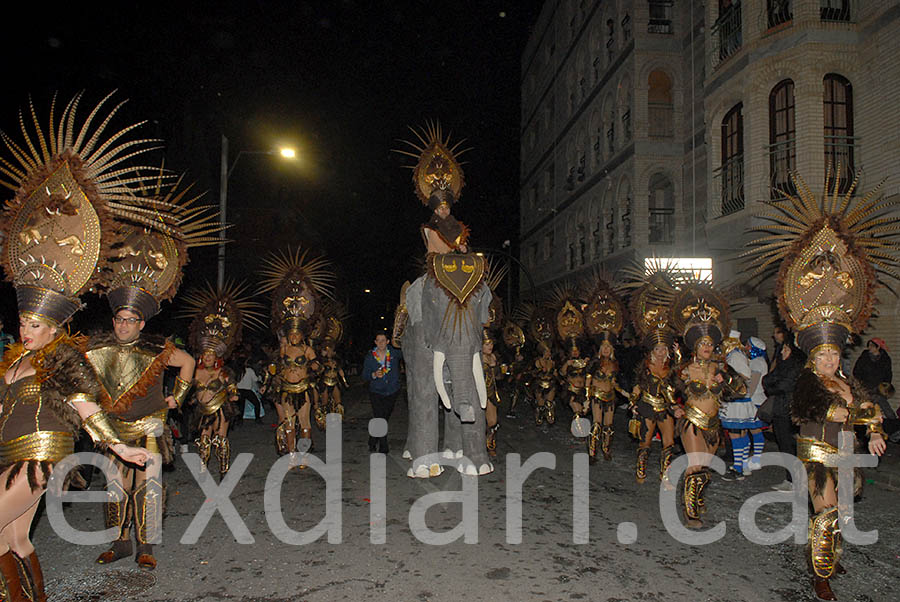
{"type": "Point", "coordinates": [442, 347]}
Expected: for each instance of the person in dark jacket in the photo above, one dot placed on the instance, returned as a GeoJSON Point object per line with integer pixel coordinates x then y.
{"type": "Point", "coordinates": [874, 366]}
{"type": "Point", "coordinates": [381, 371]}
{"type": "Point", "coordinates": [779, 386]}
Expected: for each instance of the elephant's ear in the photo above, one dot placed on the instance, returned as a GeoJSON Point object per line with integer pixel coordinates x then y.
{"type": "Point", "coordinates": [414, 300]}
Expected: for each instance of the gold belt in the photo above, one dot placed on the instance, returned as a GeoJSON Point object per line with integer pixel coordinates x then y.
{"type": "Point", "coordinates": [131, 431]}
{"type": "Point", "coordinates": [813, 450]}
{"type": "Point", "coordinates": [207, 408]}
{"type": "Point", "coordinates": [701, 419]}
{"type": "Point", "coordinates": [659, 404]}
{"type": "Point", "coordinates": [43, 446]}
{"type": "Point", "coordinates": [603, 395]}
{"type": "Point", "coordinates": [330, 381]}
{"type": "Point", "coordinates": [299, 387]}
{"type": "Point", "coordinates": [544, 384]}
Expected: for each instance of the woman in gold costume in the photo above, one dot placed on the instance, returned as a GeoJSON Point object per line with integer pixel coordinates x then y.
{"type": "Point", "coordinates": [604, 318]}
{"type": "Point", "coordinates": [543, 383]}
{"type": "Point", "coordinates": [219, 317]}
{"type": "Point", "coordinates": [825, 288]}
{"type": "Point", "coordinates": [48, 389]}
{"type": "Point", "coordinates": [491, 367]}
{"type": "Point", "coordinates": [298, 286]}
{"type": "Point", "coordinates": [702, 314]}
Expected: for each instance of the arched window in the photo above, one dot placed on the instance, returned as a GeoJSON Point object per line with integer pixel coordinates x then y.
{"type": "Point", "coordinates": [731, 173]}
{"type": "Point", "coordinates": [838, 107]}
{"type": "Point", "coordinates": [660, 122]}
{"type": "Point", "coordinates": [782, 138]}
{"type": "Point", "coordinates": [662, 209]}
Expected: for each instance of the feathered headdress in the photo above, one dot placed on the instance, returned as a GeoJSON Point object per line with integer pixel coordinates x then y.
{"type": "Point", "coordinates": [496, 272]}
{"type": "Point", "coordinates": [569, 320]}
{"type": "Point", "coordinates": [71, 181]}
{"type": "Point", "coordinates": [219, 317]}
{"type": "Point", "coordinates": [437, 174]}
{"type": "Point", "coordinates": [147, 265]}
{"type": "Point", "coordinates": [604, 316]}
{"type": "Point", "coordinates": [700, 311]}
{"type": "Point", "coordinates": [298, 287]}
{"type": "Point", "coordinates": [652, 289]}
{"type": "Point", "coordinates": [829, 255]}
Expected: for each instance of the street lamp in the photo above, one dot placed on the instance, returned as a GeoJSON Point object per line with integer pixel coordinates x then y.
{"type": "Point", "coordinates": [225, 173]}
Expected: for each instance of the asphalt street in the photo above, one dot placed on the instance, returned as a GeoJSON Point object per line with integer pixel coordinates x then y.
{"type": "Point", "coordinates": [629, 555]}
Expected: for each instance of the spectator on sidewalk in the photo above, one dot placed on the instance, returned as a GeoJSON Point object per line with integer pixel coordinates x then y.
{"type": "Point", "coordinates": [779, 386]}
{"type": "Point", "coordinates": [874, 366]}
{"type": "Point", "coordinates": [381, 370]}
{"type": "Point", "coordinates": [759, 367]}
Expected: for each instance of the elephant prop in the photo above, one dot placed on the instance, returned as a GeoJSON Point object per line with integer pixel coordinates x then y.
{"type": "Point", "coordinates": [442, 348]}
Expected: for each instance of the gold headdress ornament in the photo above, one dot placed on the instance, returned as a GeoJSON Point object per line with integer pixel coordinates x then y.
{"type": "Point", "coordinates": [604, 316]}
{"type": "Point", "coordinates": [70, 182]}
{"type": "Point", "coordinates": [437, 165]}
{"type": "Point", "coordinates": [569, 320]}
{"type": "Point", "coordinates": [652, 289]}
{"type": "Point", "coordinates": [298, 286]}
{"type": "Point", "coordinates": [148, 262]}
{"type": "Point", "coordinates": [335, 315]}
{"type": "Point", "coordinates": [219, 317]}
{"type": "Point", "coordinates": [831, 253]}
{"type": "Point", "coordinates": [700, 311]}
{"type": "Point", "coordinates": [538, 322]}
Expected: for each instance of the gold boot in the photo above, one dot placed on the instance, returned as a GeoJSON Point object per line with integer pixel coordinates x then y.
{"type": "Point", "coordinates": [320, 416]}
{"type": "Point", "coordinates": [593, 440]}
{"type": "Point", "coordinates": [491, 440]}
{"type": "Point", "coordinates": [283, 434]}
{"type": "Point", "coordinates": [825, 542]}
{"type": "Point", "coordinates": [691, 494]}
{"type": "Point", "coordinates": [11, 582]}
{"type": "Point", "coordinates": [223, 453]}
{"type": "Point", "coordinates": [550, 412]}
{"type": "Point", "coordinates": [665, 460]}
{"type": "Point", "coordinates": [538, 415]}
{"type": "Point", "coordinates": [640, 471]}
{"type": "Point", "coordinates": [37, 577]}
{"type": "Point", "coordinates": [606, 442]}
{"type": "Point", "coordinates": [204, 449]}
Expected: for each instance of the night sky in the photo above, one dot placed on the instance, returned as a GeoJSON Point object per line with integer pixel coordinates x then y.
{"type": "Point", "coordinates": [340, 81]}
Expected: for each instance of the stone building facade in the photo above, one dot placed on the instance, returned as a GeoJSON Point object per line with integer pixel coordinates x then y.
{"type": "Point", "coordinates": [656, 127]}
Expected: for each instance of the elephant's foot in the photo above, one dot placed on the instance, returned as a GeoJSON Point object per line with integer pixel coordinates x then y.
{"type": "Point", "coordinates": [452, 455]}
{"type": "Point", "coordinates": [469, 469]}
{"type": "Point", "coordinates": [425, 472]}
{"type": "Point", "coordinates": [407, 455]}
{"type": "Point", "coordinates": [466, 413]}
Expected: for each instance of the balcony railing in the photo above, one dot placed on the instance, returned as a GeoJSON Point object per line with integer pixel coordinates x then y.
{"type": "Point", "coordinates": [727, 34]}
{"type": "Point", "coordinates": [660, 120]}
{"type": "Point", "coordinates": [782, 161]}
{"type": "Point", "coordinates": [731, 181]}
{"type": "Point", "coordinates": [662, 225]}
{"type": "Point", "coordinates": [660, 16]}
{"type": "Point", "coordinates": [779, 11]}
{"type": "Point", "coordinates": [841, 11]}
{"type": "Point", "coordinates": [840, 154]}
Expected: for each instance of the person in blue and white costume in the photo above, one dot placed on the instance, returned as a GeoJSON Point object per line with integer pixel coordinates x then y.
{"type": "Point", "coordinates": [756, 351]}
{"type": "Point", "coordinates": [738, 414]}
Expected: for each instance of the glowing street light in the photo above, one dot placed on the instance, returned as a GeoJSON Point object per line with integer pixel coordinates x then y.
{"type": "Point", "coordinates": [288, 153]}
{"type": "Point", "coordinates": [366, 290]}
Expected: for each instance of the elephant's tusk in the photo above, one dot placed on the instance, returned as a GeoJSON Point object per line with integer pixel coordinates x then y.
{"type": "Point", "coordinates": [480, 386]}
{"type": "Point", "coordinates": [439, 359]}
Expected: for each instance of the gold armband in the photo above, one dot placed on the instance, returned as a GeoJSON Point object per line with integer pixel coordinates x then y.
{"type": "Point", "coordinates": [865, 416]}
{"type": "Point", "coordinates": [180, 391]}
{"type": "Point", "coordinates": [875, 428]}
{"type": "Point", "coordinates": [829, 416]}
{"type": "Point", "coordinates": [101, 430]}
{"type": "Point", "coordinates": [80, 398]}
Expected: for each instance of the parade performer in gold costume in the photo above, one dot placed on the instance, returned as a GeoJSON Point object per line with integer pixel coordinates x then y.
{"type": "Point", "coordinates": [58, 238]}
{"type": "Point", "coordinates": [653, 396]}
{"type": "Point", "coordinates": [331, 376]}
{"type": "Point", "coordinates": [299, 286]}
{"type": "Point", "coordinates": [829, 255]}
{"type": "Point", "coordinates": [219, 317]}
{"type": "Point", "coordinates": [604, 318]}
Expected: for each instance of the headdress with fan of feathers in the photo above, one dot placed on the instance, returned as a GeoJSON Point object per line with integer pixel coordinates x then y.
{"type": "Point", "coordinates": [699, 310]}
{"type": "Point", "coordinates": [537, 322]}
{"type": "Point", "coordinates": [70, 181]}
{"type": "Point", "coordinates": [651, 286]}
{"type": "Point", "coordinates": [298, 285]}
{"type": "Point", "coordinates": [829, 255]}
{"type": "Point", "coordinates": [335, 315]}
{"type": "Point", "coordinates": [147, 264]}
{"type": "Point", "coordinates": [568, 317]}
{"type": "Point", "coordinates": [495, 271]}
{"type": "Point", "coordinates": [218, 316]}
{"type": "Point", "coordinates": [437, 166]}
{"type": "Point", "coordinates": [605, 313]}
